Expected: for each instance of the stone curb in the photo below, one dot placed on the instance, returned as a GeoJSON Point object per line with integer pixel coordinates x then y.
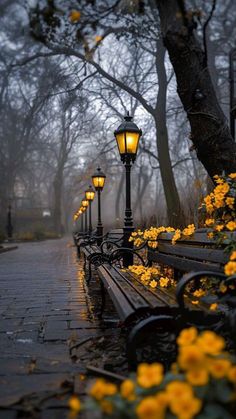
{"type": "Point", "coordinates": [7, 249]}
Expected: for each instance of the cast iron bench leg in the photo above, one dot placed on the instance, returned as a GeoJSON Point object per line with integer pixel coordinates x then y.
{"type": "Point", "coordinates": [151, 322]}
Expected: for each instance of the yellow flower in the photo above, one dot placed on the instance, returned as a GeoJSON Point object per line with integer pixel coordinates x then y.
{"type": "Point", "coordinates": [223, 288]}
{"type": "Point", "coordinates": [98, 38]}
{"type": "Point", "coordinates": [230, 268]}
{"type": "Point", "coordinates": [210, 235]}
{"type": "Point", "coordinates": [232, 175]}
{"type": "Point", "coordinates": [231, 225]}
{"type": "Point", "coordinates": [176, 236]}
{"type": "Point", "coordinates": [74, 404]}
{"type": "Point", "coordinates": [219, 368]}
{"type": "Point", "coordinates": [101, 388]}
{"type": "Point", "coordinates": [213, 306]}
{"type": "Point", "coordinates": [164, 282]}
{"type": "Point", "coordinates": [232, 374]}
{"type": "Point", "coordinates": [195, 302]}
{"type": "Point", "coordinates": [75, 16]}
{"type": "Point", "coordinates": [127, 390]}
{"type": "Point", "coordinates": [186, 408]}
{"type": "Point", "coordinates": [191, 357]}
{"type": "Point", "coordinates": [199, 293]}
{"type": "Point", "coordinates": [189, 230]}
{"type": "Point", "coordinates": [209, 221]}
{"type": "Point", "coordinates": [198, 377]}
{"type": "Point", "coordinates": [219, 227]}
{"type": "Point", "coordinates": [149, 375]}
{"type": "Point", "coordinates": [233, 255]}
{"type": "Point", "coordinates": [149, 408]}
{"type": "Point", "coordinates": [106, 406]}
{"type": "Point", "coordinates": [210, 343]}
{"type": "Point", "coordinates": [187, 336]}
{"type": "Point", "coordinates": [153, 284]}
{"type": "Point", "coordinates": [230, 202]}
{"type": "Point", "coordinates": [179, 390]}
{"type": "Point", "coordinates": [152, 244]}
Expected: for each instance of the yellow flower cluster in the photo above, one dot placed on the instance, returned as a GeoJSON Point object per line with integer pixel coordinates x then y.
{"type": "Point", "coordinates": [151, 276]}
{"type": "Point", "coordinates": [220, 204]}
{"type": "Point", "coordinates": [186, 392]}
{"type": "Point", "coordinates": [151, 235]}
{"type": "Point", "coordinates": [230, 267]}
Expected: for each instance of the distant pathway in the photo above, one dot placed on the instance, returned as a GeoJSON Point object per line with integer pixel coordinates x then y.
{"type": "Point", "coordinates": [44, 310]}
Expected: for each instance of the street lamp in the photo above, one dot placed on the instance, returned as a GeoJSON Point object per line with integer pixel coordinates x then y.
{"type": "Point", "coordinates": [127, 137]}
{"type": "Point", "coordinates": [98, 179]}
{"type": "Point", "coordinates": [89, 194]}
{"type": "Point", "coordinates": [232, 81]}
{"type": "Point", "coordinates": [85, 204]}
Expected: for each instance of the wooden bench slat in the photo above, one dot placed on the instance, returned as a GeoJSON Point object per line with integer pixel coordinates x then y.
{"type": "Point", "coordinates": [183, 264]}
{"type": "Point", "coordinates": [156, 297]}
{"type": "Point", "coordinates": [133, 295]}
{"type": "Point", "coordinates": [197, 237]}
{"type": "Point", "coordinates": [120, 301]}
{"type": "Point", "coordinates": [199, 253]}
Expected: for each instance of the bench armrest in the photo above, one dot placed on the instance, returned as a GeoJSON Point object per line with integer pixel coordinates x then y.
{"type": "Point", "coordinates": [117, 254]}
{"type": "Point", "coordinates": [192, 276]}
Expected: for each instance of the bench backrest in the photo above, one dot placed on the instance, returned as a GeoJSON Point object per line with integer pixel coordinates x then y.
{"type": "Point", "coordinates": [115, 234]}
{"type": "Point", "coordinates": [195, 253]}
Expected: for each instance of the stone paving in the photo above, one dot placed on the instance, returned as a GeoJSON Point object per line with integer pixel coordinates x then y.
{"type": "Point", "coordinates": [46, 313]}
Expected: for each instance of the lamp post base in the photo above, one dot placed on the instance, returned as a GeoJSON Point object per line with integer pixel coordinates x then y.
{"type": "Point", "coordinates": [128, 258]}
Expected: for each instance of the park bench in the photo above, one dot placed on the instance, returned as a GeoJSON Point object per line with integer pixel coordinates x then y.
{"type": "Point", "coordinates": [142, 309]}
{"type": "Point", "coordinates": [89, 247]}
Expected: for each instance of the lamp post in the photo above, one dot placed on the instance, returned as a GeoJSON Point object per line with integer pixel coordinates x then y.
{"type": "Point", "coordinates": [85, 204]}
{"type": "Point", "coordinates": [127, 137]}
{"type": "Point", "coordinates": [89, 194]}
{"type": "Point", "coordinates": [80, 212]}
{"type": "Point", "coordinates": [98, 179]}
{"type": "Point", "coordinates": [9, 223]}
{"type": "Point", "coordinates": [232, 90]}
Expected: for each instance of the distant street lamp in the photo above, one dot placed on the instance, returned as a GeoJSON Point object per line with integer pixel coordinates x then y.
{"type": "Point", "coordinates": [85, 204]}
{"type": "Point", "coordinates": [232, 91]}
{"type": "Point", "coordinates": [89, 194]}
{"type": "Point", "coordinates": [127, 137]}
{"type": "Point", "coordinates": [98, 179]}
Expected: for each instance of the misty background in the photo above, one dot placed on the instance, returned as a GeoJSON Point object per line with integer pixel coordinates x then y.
{"type": "Point", "coordinates": [58, 114]}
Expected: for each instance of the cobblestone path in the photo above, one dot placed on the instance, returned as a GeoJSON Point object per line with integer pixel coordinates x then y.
{"type": "Point", "coordinates": [45, 311]}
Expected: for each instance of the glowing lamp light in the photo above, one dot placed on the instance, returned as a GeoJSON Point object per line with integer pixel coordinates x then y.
{"type": "Point", "coordinates": [89, 194]}
{"type": "Point", "coordinates": [98, 179]}
{"type": "Point", "coordinates": [127, 137]}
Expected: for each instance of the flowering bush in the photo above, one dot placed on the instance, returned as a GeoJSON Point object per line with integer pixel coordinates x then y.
{"type": "Point", "coordinates": [201, 384]}
{"type": "Point", "coordinates": [220, 208]}
{"type": "Point", "coordinates": [220, 204]}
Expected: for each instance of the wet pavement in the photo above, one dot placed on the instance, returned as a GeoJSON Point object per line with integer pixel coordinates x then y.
{"type": "Point", "coordinates": [49, 330]}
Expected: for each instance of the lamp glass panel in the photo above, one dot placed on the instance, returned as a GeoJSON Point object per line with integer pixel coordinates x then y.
{"type": "Point", "coordinates": [132, 139]}
{"type": "Point", "coordinates": [120, 138]}
{"type": "Point", "coordinates": [90, 195]}
{"type": "Point", "coordinates": [98, 182]}
{"type": "Point", "coordinates": [85, 203]}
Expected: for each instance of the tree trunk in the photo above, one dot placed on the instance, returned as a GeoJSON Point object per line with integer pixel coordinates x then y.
{"type": "Point", "coordinates": [209, 130]}
{"type": "Point", "coordinates": [174, 210]}
{"type": "Point", "coordinates": [57, 184]}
